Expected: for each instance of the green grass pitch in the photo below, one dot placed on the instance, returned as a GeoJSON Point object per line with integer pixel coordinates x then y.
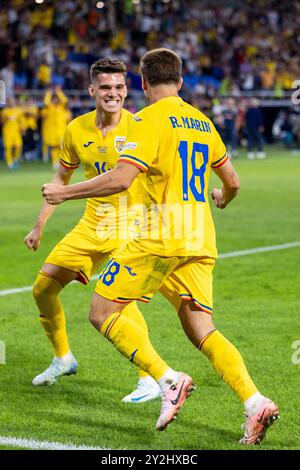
{"type": "Point", "coordinates": [256, 305]}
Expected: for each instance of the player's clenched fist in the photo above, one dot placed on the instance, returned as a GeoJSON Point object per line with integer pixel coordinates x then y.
{"type": "Point", "coordinates": [33, 239]}
{"type": "Point", "coordinates": [53, 193]}
{"type": "Point", "coordinates": [217, 197]}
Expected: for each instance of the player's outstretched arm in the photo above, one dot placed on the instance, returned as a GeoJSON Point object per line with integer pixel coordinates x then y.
{"type": "Point", "coordinates": [112, 182]}
{"type": "Point", "coordinates": [33, 239]}
{"type": "Point", "coordinates": [230, 188]}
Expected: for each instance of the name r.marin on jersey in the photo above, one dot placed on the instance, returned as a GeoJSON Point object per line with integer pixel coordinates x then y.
{"type": "Point", "coordinates": [190, 123]}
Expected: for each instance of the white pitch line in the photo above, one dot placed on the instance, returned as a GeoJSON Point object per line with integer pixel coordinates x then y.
{"type": "Point", "coordinates": [47, 445]}
{"type": "Point", "coordinates": [262, 249]}
{"type": "Point", "coordinates": [232, 254]}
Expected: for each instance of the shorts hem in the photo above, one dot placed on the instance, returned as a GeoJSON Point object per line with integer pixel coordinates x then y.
{"type": "Point", "coordinates": [82, 277]}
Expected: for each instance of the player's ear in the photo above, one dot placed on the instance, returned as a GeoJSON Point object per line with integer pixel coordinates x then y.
{"type": "Point", "coordinates": [180, 84]}
{"type": "Point", "coordinates": [126, 91]}
{"type": "Point", "coordinates": [144, 84]}
{"type": "Point", "coordinates": [91, 90]}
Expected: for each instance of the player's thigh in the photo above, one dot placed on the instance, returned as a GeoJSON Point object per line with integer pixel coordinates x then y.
{"type": "Point", "coordinates": [63, 275]}
{"type": "Point", "coordinates": [133, 275]}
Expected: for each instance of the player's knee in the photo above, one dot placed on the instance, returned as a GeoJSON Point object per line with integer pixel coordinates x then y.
{"type": "Point", "coordinates": [37, 290]}
{"type": "Point", "coordinates": [97, 318]}
{"type": "Point", "coordinates": [45, 285]}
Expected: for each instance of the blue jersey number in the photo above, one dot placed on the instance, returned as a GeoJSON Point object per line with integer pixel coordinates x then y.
{"type": "Point", "coordinates": [197, 173]}
{"type": "Point", "coordinates": [100, 169]}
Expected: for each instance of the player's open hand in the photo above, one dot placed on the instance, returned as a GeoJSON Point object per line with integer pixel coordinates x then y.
{"type": "Point", "coordinates": [53, 193]}
{"type": "Point", "coordinates": [217, 197]}
{"type": "Point", "coordinates": [33, 239]}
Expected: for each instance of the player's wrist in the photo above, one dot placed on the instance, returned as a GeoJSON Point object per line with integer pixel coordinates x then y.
{"type": "Point", "coordinates": [67, 192]}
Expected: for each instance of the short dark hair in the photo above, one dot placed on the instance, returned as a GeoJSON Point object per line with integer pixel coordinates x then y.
{"type": "Point", "coordinates": [161, 66]}
{"type": "Point", "coordinates": [107, 65]}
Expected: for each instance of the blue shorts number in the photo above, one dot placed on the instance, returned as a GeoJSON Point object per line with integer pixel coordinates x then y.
{"type": "Point", "coordinates": [109, 277]}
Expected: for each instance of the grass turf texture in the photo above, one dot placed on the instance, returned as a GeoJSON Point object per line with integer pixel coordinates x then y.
{"type": "Point", "coordinates": [256, 306]}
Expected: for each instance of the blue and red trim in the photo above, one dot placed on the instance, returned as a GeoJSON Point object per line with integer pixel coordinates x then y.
{"type": "Point", "coordinates": [204, 308]}
{"type": "Point", "coordinates": [220, 162]}
{"type": "Point", "coordinates": [135, 162]}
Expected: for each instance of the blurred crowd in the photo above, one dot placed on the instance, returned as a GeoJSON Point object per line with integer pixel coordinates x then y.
{"type": "Point", "coordinates": [33, 133]}
{"type": "Point", "coordinates": [48, 46]}
{"type": "Point", "coordinates": [251, 45]}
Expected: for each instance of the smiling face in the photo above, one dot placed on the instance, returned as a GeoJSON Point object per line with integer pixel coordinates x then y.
{"type": "Point", "coordinates": [109, 91]}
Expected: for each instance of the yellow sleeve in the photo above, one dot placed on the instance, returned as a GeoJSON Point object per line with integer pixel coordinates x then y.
{"type": "Point", "coordinates": [142, 142]}
{"type": "Point", "coordinates": [219, 156]}
{"type": "Point", "coordinates": [68, 156]}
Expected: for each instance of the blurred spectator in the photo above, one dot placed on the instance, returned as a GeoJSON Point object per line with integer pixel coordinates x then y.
{"type": "Point", "coordinates": [55, 117]}
{"type": "Point", "coordinates": [11, 118]}
{"type": "Point", "coordinates": [254, 127]}
{"type": "Point", "coordinates": [30, 135]}
{"type": "Point", "coordinates": [230, 112]}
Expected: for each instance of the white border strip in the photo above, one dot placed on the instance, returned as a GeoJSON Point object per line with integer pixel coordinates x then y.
{"type": "Point", "coordinates": [232, 254]}
{"type": "Point", "coordinates": [31, 444]}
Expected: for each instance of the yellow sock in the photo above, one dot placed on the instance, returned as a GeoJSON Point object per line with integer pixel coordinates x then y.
{"type": "Point", "coordinates": [8, 153]}
{"type": "Point", "coordinates": [132, 311]}
{"type": "Point", "coordinates": [229, 364]}
{"type": "Point", "coordinates": [18, 153]}
{"type": "Point", "coordinates": [52, 316]}
{"type": "Point", "coordinates": [129, 338]}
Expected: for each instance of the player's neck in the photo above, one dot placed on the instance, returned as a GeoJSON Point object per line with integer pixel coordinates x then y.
{"type": "Point", "coordinates": [159, 92]}
{"type": "Point", "coordinates": [106, 121]}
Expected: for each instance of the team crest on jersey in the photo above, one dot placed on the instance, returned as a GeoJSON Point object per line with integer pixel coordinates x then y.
{"type": "Point", "coordinates": [119, 143]}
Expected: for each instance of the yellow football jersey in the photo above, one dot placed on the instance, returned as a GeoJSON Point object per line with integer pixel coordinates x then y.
{"type": "Point", "coordinates": [174, 145]}
{"type": "Point", "coordinates": [11, 118]}
{"type": "Point", "coordinates": [83, 143]}
{"type": "Point", "coordinates": [29, 118]}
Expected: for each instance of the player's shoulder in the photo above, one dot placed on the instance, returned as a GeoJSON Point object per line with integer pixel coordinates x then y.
{"type": "Point", "coordinates": [198, 114]}
{"type": "Point", "coordinates": [148, 113]}
{"type": "Point", "coordinates": [82, 122]}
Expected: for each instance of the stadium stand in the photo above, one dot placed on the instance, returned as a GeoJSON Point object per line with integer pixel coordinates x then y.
{"type": "Point", "coordinates": [229, 48]}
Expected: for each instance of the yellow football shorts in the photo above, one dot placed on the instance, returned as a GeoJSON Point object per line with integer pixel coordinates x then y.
{"type": "Point", "coordinates": [135, 275]}
{"type": "Point", "coordinates": [82, 251]}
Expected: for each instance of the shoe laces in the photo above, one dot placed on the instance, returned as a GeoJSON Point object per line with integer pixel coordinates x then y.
{"type": "Point", "coordinates": [53, 368]}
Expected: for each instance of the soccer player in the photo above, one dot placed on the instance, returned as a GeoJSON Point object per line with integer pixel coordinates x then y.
{"type": "Point", "coordinates": [29, 121]}
{"type": "Point", "coordinates": [171, 146]}
{"type": "Point", "coordinates": [12, 129]}
{"type": "Point", "coordinates": [54, 120]}
{"type": "Point", "coordinates": [93, 140]}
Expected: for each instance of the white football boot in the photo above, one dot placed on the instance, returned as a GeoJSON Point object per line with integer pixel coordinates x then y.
{"type": "Point", "coordinates": [147, 389]}
{"type": "Point", "coordinates": [56, 370]}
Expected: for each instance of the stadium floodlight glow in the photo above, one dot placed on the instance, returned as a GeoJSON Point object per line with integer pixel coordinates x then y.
{"type": "Point", "coordinates": [39, 1]}
{"type": "Point", "coordinates": [136, 2]}
{"type": "Point", "coordinates": [100, 5]}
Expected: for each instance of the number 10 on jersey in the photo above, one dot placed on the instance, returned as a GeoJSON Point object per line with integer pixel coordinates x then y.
{"type": "Point", "coordinates": [195, 181]}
